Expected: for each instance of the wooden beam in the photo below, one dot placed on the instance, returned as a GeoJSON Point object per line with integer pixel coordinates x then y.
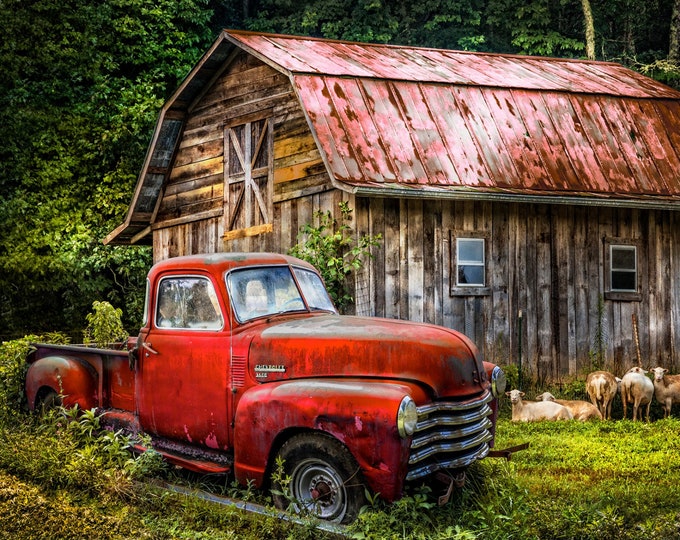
{"type": "Point", "coordinates": [249, 231]}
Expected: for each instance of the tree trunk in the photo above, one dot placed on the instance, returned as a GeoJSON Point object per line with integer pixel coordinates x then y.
{"type": "Point", "coordinates": [590, 28]}
{"type": "Point", "coordinates": [674, 45]}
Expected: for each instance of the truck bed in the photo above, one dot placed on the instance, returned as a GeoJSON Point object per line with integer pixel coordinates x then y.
{"type": "Point", "coordinates": [114, 378]}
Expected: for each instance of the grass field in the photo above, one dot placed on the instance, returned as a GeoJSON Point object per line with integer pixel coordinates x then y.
{"type": "Point", "coordinates": [600, 480]}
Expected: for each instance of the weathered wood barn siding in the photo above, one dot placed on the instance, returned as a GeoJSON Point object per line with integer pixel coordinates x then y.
{"type": "Point", "coordinates": [191, 217]}
{"type": "Point", "coordinates": [243, 155]}
{"type": "Point", "coordinates": [545, 260]}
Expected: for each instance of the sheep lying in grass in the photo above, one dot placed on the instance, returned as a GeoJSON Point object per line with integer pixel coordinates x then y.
{"type": "Point", "coordinates": [532, 411]}
{"type": "Point", "coordinates": [601, 387]}
{"type": "Point", "coordinates": [666, 389]}
{"type": "Point", "coordinates": [638, 389]}
{"type": "Point", "coordinates": [580, 410]}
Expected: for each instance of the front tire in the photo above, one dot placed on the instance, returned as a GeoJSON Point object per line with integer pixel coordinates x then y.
{"type": "Point", "coordinates": [325, 480]}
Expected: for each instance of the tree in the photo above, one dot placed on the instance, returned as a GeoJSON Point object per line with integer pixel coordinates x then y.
{"type": "Point", "coordinates": [332, 247]}
{"type": "Point", "coordinates": [82, 85]}
{"type": "Point", "coordinates": [674, 40]}
{"type": "Point", "coordinates": [589, 25]}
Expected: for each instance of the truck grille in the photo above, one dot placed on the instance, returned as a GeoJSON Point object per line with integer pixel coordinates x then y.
{"type": "Point", "coordinates": [450, 435]}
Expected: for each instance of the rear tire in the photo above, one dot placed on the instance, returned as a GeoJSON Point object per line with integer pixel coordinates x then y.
{"type": "Point", "coordinates": [47, 400]}
{"type": "Point", "coordinates": [325, 479]}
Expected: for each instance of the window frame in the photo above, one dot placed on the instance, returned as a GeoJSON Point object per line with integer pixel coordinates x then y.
{"type": "Point", "coordinates": [610, 244]}
{"type": "Point", "coordinates": [456, 288]}
{"type": "Point", "coordinates": [214, 302]}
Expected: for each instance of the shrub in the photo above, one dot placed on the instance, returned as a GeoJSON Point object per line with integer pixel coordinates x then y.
{"type": "Point", "coordinates": [331, 248]}
{"type": "Point", "coordinates": [13, 369]}
{"type": "Point", "coordinates": [104, 325]}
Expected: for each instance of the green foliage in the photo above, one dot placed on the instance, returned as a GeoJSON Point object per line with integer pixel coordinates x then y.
{"type": "Point", "coordinates": [541, 27]}
{"type": "Point", "coordinates": [331, 247]}
{"type": "Point", "coordinates": [104, 325]}
{"type": "Point", "coordinates": [13, 368]}
{"type": "Point", "coordinates": [82, 88]}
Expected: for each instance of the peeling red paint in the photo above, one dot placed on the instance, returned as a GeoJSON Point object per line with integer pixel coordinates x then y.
{"type": "Point", "coordinates": [437, 119]}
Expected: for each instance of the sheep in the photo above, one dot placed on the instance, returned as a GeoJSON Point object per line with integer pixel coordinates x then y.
{"type": "Point", "coordinates": [638, 389]}
{"type": "Point", "coordinates": [601, 387]}
{"type": "Point", "coordinates": [666, 389]}
{"type": "Point", "coordinates": [580, 410]}
{"type": "Point", "coordinates": [534, 411]}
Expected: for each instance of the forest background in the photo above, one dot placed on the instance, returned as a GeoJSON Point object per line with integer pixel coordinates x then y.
{"type": "Point", "coordinates": [83, 81]}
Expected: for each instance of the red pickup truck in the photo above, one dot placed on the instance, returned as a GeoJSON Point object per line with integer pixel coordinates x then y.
{"type": "Point", "coordinates": [242, 358]}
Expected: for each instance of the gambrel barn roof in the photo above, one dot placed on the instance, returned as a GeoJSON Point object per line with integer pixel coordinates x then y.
{"type": "Point", "coordinates": [396, 121]}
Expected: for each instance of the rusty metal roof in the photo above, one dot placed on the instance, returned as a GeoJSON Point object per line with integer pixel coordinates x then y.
{"type": "Point", "coordinates": [416, 122]}
{"type": "Point", "coordinates": [423, 120]}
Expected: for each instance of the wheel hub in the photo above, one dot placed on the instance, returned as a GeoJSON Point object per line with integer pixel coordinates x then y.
{"type": "Point", "coordinates": [322, 491]}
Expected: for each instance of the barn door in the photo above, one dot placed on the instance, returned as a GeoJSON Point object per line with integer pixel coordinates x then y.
{"type": "Point", "coordinates": [247, 169]}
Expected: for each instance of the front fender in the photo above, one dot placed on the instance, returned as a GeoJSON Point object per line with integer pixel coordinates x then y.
{"type": "Point", "coordinates": [360, 414]}
{"type": "Point", "coordinates": [69, 377]}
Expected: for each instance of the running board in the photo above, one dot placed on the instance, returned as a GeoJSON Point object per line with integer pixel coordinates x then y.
{"type": "Point", "coordinates": [193, 459]}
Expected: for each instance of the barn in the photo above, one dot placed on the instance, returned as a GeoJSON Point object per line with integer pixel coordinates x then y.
{"type": "Point", "coordinates": [531, 203]}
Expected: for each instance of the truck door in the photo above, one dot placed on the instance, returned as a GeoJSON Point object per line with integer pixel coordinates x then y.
{"type": "Point", "coordinates": [183, 371]}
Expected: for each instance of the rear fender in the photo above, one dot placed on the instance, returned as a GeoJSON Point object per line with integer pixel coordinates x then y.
{"type": "Point", "coordinates": [75, 380]}
{"type": "Point", "coordinates": [360, 414]}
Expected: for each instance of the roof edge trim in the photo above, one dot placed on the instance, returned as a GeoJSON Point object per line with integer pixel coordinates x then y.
{"type": "Point", "coordinates": [572, 200]}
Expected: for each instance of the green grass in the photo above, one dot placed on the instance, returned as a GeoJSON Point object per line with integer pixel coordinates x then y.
{"type": "Point", "coordinates": [599, 480]}
{"type": "Point", "coordinates": [620, 471]}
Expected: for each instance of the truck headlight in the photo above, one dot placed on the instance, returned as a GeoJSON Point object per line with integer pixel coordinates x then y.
{"type": "Point", "coordinates": [407, 417]}
{"type": "Point", "coordinates": [498, 382]}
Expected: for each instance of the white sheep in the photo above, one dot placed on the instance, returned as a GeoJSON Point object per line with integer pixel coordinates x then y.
{"type": "Point", "coordinates": [601, 387]}
{"type": "Point", "coordinates": [638, 389]}
{"type": "Point", "coordinates": [579, 409]}
{"type": "Point", "coordinates": [532, 411]}
{"type": "Point", "coordinates": [666, 389]}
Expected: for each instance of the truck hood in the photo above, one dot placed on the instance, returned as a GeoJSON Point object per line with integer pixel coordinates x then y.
{"type": "Point", "coordinates": [332, 345]}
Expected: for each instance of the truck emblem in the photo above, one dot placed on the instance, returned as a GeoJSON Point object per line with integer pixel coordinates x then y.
{"type": "Point", "coordinates": [270, 369]}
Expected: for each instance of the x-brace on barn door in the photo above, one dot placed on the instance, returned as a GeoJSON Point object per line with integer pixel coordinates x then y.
{"type": "Point", "coordinates": [247, 167]}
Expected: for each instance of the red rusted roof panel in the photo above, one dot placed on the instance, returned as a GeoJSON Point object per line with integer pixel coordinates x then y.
{"type": "Point", "coordinates": [389, 116]}
{"type": "Point", "coordinates": [436, 135]}
{"type": "Point", "coordinates": [304, 55]}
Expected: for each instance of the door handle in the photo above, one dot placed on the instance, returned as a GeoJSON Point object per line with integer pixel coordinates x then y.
{"type": "Point", "coordinates": [147, 346]}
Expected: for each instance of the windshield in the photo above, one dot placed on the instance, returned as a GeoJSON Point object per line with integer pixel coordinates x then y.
{"type": "Point", "coordinates": [257, 292]}
{"type": "Point", "coordinates": [314, 290]}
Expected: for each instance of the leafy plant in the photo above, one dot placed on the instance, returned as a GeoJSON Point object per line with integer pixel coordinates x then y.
{"type": "Point", "coordinates": [104, 325]}
{"type": "Point", "coordinates": [332, 248]}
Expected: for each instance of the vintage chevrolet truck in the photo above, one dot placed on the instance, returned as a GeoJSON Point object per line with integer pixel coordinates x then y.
{"type": "Point", "coordinates": [242, 358]}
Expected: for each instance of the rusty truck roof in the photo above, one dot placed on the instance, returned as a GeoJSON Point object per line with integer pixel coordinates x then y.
{"type": "Point", "coordinates": [222, 262]}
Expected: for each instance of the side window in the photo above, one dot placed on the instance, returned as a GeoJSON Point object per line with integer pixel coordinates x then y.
{"type": "Point", "coordinates": [621, 277]}
{"type": "Point", "coordinates": [147, 297]}
{"type": "Point", "coordinates": [623, 268]}
{"type": "Point", "coordinates": [188, 303]}
{"type": "Point", "coordinates": [470, 262]}
{"type": "Point", "coordinates": [469, 274]}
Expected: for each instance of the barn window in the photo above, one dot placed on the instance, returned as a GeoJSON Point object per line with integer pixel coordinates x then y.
{"type": "Point", "coordinates": [621, 269]}
{"type": "Point", "coordinates": [469, 264]}
{"type": "Point", "coordinates": [248, 159]}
